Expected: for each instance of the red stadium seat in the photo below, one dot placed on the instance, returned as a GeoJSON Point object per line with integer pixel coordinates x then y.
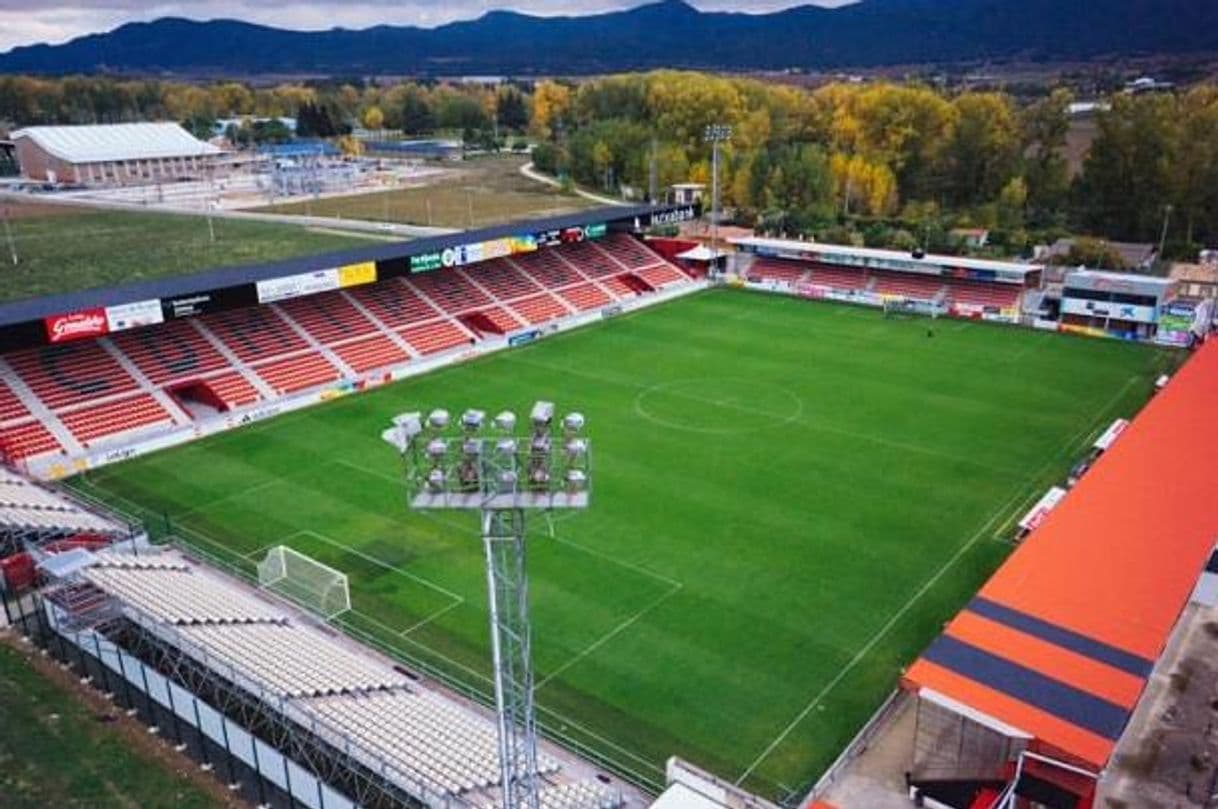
{"type": "Point", "coordinates": [294, 374]}
{"type": "Point", "coordinates": [254, 333]}
{"type": "Point", "coordinates": [433, 338]}
{"type": "Point", "coordinates": [65, 375]}
{"type": "Point", "coordinates": [369, 353]}
{"type": "Point", "coordinates": [328, 318]}
{"type": "Point", "coordinates": [585, 297]}
{"type": "Point", "coordinates": [170, 352]}
{"type": "Point", "coordinates": [395, 303]}
{"type": "Point", "coordinates": [113, 418]}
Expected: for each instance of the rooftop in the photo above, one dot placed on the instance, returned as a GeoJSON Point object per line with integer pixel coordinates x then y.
{"type": "Point", "coordinates": [106, 142]}
{"type": "Point", "coordinates": [1061, 640]}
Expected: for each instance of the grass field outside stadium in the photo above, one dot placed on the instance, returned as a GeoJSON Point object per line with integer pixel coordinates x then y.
{"type": "Point", "coordinates": [789, 501]}
{"type": "Point", "coordinates": [62, 248]}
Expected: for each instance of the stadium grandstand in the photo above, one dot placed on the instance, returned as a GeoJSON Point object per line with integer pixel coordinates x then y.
{"type": "Point", "coordinates": [84, 383]}
{"type": "Point", "coordinates": [112, 154]}
{"type": "Point", "coordinates": [288, 711]}
{"type": "Point", "coordinates": [961, 287]}
{"type": "Point", "coordinates": [1029, 689]}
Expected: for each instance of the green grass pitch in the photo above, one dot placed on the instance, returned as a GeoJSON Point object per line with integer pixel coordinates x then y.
{"type": "Point", "coordinates": [789, 500]}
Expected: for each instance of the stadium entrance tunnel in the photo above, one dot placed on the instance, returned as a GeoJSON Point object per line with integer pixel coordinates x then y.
{"type": "Point", "coordinates": [720, 405]}
{"type": "Point", "coordinates": [198, 399]}
{"type": "Point", "coordinates": [636, 284]}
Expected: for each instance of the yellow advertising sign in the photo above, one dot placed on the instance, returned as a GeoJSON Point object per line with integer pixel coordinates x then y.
{"type": "Point", "coordinates": [354, 275]}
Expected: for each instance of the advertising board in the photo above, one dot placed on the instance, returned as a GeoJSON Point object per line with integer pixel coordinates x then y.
{"type": "Point", "coordinates": [353, 275]}
{"type": "Point", "coordinates": [134, 315]}
{"type": "Point", "coordinates": [1037, 514]}
{"type": "Point", "coordinates": [427, 262]}
{"type": "Point", "coordinates": [82, 325]}
{"type": "Point", "coordinates": [295, 286]}
{"type": "Point", "coordinates": [1118, 311]}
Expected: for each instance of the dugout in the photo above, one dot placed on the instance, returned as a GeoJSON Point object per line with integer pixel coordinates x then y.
{"type": "Point", "coordinates": [1035, 681]}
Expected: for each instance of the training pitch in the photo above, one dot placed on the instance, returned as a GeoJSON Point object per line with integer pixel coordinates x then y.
{"type": "Point", "coordinates": [789, 500]}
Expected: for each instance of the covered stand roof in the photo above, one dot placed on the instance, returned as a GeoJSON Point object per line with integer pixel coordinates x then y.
{"type": "Point", "coordinates": [1060, 642]}
{"type": "Point", "coordinates": [109, 142]}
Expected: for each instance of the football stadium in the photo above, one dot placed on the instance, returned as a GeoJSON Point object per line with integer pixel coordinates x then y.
{"type": "Point", "coordinates": [842, 500]}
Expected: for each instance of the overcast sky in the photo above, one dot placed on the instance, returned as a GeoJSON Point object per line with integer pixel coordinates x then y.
{"type": "Point", "coordinates": [24, 22]}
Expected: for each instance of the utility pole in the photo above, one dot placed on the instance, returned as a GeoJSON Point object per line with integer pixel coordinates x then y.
{"type": "Point", "coordinates": [1166, 221]}
{"type": "Point", "coordinates": [716, 134]}
{"type": "Point", "coordinates": [653, 175]}
{"type": "Point", "coordinates": [8, 237]}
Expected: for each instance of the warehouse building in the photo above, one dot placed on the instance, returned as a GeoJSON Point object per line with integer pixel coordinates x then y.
{"type": "Point", "coordinates": [112, 154]}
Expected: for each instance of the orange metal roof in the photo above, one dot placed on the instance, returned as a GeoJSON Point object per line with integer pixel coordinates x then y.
{"type": "Point", "coordinates": [1060, 641]}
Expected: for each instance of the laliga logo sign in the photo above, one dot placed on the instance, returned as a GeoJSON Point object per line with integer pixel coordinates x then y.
{"type": "Point", "coordinates": [76, 326]}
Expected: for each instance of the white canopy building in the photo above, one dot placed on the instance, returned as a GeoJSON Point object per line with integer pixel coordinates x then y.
{"type": "Point", "coordinates": [112, 154]}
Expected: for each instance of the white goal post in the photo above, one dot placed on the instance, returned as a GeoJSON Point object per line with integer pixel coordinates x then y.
{"type": "Point", "coordinates": [912, 307]}
{"type": "Point", "coordinates": [305, 581]}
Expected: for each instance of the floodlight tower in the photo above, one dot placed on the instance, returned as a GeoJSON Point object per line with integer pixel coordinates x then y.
{"type": "Point", "coordinates": [492, 469]}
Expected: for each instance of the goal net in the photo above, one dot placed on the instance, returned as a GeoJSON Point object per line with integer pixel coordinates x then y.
{"type": "Point", "coordinates": [304, 580]}
{"type": "Point", "coordinates": [912, 307]}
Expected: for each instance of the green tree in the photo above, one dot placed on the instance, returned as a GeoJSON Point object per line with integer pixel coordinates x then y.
{"type": "Point", "coordinates": [984, 148]}
{"type": "Point", "coordinates": [1046, 124]}
{"type": "Point", "coordinates": [1126, 183]}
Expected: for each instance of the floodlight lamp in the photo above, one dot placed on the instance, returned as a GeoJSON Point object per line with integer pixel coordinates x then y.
{"type": "Point", "coordinates": [577, 449]}
{"type": "Point", "coordinates": [573, 422]}
{"type": "Point", "coordinates": [471, 420]}
{"type": "Point", "coordinates": [469, 475]}
{"type": "Point", "coordinates": [410, 424]}
{"type": "Point", "coordinates": [471, 448]}
{"type": "Point", "coordinates": [437, 448]}
{"type": "Point", "coordinates": [543, 414]}
{"type": "Point", "coordinates": [506, 421]}
{"type": "Point", "coordinates": [539, 476]}
{"type": "Point", "coordinates": [438, 419]}
{"type": "Point", "coordinates": [435, 481]}
{"type": "Point", "coordinates": [541, 444]}
{"type": "Point", "coordinates": [507, 481]}
{"type": "Point", "coordinates": [395, 438]}
{"type": "Point", "coordinates": [506, 447]}
{"type": "Point", "coordinates": [577, 481]}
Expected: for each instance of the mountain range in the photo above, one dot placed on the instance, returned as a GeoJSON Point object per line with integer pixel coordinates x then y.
{"type": "Point", "coordinates": [671, 33]}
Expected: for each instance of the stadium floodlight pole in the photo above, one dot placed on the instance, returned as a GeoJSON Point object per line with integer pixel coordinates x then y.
{"type": "Point", "coordinates": [715, 135]}
{"type": "Point", "coordinates": [486, 466]}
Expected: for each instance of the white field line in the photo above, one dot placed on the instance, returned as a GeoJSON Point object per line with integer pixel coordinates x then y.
{"type": "Point", "coordinates": [610, 635]}
{"type": "Point", "coordinates": [422, 622]}
{"type": "Point", "coordinates": [1090, 431]}
{"type": "Point", "coordinates": [479, 676]}
{"type": "Point", "coordinates": [252, 554]}
{"type": "Point", "coordinates": [784, 418]}
{"type": "Point", "coordinates": [210, 504]}
{"type": "Point", "coordinates": [1085, 433]}
{"type": "Point", "coordinates": [379, 563]}
{"type": "Point", "coordinates": [877, 637]}
{"type": "Point", "coordinates": [631, 566]}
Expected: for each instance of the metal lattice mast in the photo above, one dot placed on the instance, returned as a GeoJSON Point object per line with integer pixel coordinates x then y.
{"type": "Point", "coordinates": [508, 587]}
{"type": "Point", "coordinates": [500, 476]}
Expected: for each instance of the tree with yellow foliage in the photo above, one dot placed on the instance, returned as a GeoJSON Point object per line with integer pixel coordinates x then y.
{"type": "Point", "coordinates": [551, 106]}
{"type": "Point", "coordinates": [373, 118]}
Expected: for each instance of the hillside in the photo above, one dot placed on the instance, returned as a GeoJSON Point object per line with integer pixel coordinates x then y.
{"type": "Point", "coordinates": [670, 34]}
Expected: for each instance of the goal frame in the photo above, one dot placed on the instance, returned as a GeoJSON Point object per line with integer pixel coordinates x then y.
{"type": "Point", "coordinates": [305, 581]}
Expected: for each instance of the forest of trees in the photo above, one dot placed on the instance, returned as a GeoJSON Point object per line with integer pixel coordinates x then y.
{"type": "Point", "coordinates": [881, 163]}
{"type": "Point", "coordinates": [898, 164]}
